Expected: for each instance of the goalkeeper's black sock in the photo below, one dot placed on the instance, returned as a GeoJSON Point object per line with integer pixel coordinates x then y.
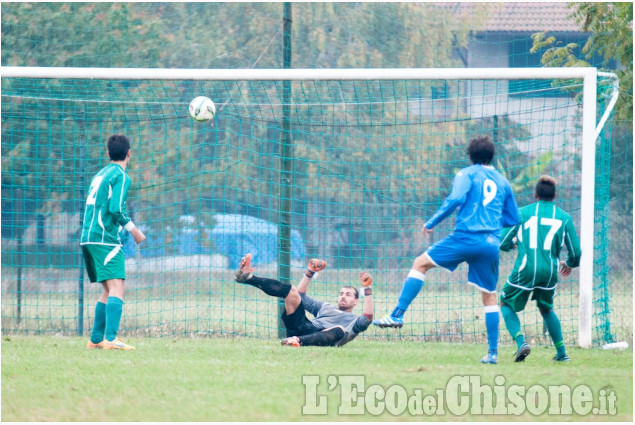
{"type": "Point", "coordinates": [272, 287]}
{"type": "Point", "coordinates": [323, 338]}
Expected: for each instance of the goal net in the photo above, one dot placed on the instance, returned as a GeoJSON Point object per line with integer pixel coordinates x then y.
{"type": "Point", "coordinates": [344, 165]}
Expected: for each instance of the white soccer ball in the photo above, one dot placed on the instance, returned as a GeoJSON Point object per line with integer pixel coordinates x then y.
{"type": "Point", "coordinates": [202, 108]}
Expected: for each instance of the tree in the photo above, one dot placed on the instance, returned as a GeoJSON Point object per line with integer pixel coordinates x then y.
{"type": "Point", "coordinates": [611, 28]}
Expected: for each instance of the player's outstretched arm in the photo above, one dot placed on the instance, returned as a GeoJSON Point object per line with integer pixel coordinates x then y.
{"type": "Point", "coordinates": [367, 288]}
{"type": "Point", "coordinates": [315, 266]}
{"type": "Point", "coordinates": [460, 188]}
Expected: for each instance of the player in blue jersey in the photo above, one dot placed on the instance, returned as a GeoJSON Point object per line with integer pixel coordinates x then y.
{"type": "Point", "coordinates": [486, 204]}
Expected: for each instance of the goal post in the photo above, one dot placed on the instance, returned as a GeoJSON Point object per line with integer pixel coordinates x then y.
{"type": "Point", "coordinates": [589, 132]}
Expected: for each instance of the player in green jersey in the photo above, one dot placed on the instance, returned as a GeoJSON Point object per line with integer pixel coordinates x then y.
{"type": "Point", "coordinates": [542, 232]}
{"type": "Point", "coordinates": [104, 216]}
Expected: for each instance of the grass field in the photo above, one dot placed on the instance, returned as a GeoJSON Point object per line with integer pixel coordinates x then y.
{"type": "Point", "coordinates": [232, 379]}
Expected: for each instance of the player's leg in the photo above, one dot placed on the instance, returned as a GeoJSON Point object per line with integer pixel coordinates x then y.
{"type": "Point", "coordinates": [325, 338]}
{"type": "Point", "coordinates": [513, 300]}
{"type": "Point", "coordinates": [555, 331]}
{"type": "Point", "coordinates": [413, 283]}
{"type": "Point", "coordinates": [544, 301]}
{"type": "Point", "coordinates": [443, 254]}
{"type": "Point", "coordinates": [114, 311]}
{"type": "Point", "coordinates": [292, 301]}
{"type": "Point", "coordinates": [409, 291]}
{"type": "Point", "coordinates": [272, 287]}
{"type": "Point", "coordinates": [481, 254]}
{"type": "Point", "coordinates": [295, 321]}
{"type": "Point", "coordinates": [99, 323]}
{"type": "Point", "coordinates": [109, 268]}
{"type": "Point", "coordinates": [492, 322]}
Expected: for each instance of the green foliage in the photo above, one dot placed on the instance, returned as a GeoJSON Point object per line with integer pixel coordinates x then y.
{"type": "Point", "coordinates": [528, 177]}
{"type": "Point", "coordinates": [231, 35]}
{"type": "Point", "coordinates": [611, 27]}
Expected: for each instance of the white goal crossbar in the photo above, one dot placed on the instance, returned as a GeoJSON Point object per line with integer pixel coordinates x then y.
{"type": "Point", "coordinates": [589, 130]}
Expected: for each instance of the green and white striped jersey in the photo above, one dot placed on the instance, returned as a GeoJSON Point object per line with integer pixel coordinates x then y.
{"type": "Point", "coordinates": [105, 212]}
{"type": "Point", "coordinates": [542, 232]}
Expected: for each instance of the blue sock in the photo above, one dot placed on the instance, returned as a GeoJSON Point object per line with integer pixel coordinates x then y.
{"type": "Point", "coordinates": [411, 287]}
{"type": "Point", "coordinates": [492, 319]}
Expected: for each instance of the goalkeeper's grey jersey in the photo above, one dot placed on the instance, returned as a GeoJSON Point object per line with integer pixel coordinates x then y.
{"type": "Point", "coordinates": [328, 316]}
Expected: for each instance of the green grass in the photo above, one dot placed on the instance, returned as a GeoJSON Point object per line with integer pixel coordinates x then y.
{"type": "Point", "coordinates": [217, 379]}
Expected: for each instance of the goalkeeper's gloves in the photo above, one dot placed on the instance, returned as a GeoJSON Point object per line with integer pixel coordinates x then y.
{"type": "Point", "coordinates": [315, 266]}
{"type": "Point", "coordinates": [367, 282]}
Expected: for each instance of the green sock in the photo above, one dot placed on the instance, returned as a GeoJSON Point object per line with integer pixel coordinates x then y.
{"type": "Point", "coordinates": [99, 325]}
{"type": "Point", "coordinates": [555, 331]}
{"type": "Point", "coordinates": [512, 323]}
{"type": "Point", "coordinates": [114, 308]}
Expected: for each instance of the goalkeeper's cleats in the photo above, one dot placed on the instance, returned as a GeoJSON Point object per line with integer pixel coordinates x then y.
{"type": "Point", "coordinates": [367, 280]}
{"type": "Point", "coordinates": [389, 322]}
{"type": "Point", "coordinates": [292, 341]}
{"type": "Point", "coordinates": [316, 265]}
{"type": "Point", "coordinates": [97, 346]}
{"type": "Point", "coordinates": [564, 358]}
{"type": "Point", "coordinates": [245, 271]}
{"type": "Point", "coordinates": [490, 359]}
{"type": "Point", "coordinates": [522, 353]}
{"type": "Point", "coordinates": [116, 344]}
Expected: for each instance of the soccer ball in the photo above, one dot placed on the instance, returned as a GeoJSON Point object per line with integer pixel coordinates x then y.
{"type": "Point", "coordinates": [202, 108]}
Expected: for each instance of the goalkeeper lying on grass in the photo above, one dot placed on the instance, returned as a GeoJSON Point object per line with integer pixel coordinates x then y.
{"type": "Point", "coordinates": [332, 326]}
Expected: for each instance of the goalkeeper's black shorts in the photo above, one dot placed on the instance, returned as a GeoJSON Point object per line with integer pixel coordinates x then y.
{"type": "Point", "coordinates": [297, 323]}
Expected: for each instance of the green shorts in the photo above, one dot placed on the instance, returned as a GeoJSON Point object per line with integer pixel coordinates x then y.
{"type": "Point", "coordinates": [517, 298]}
{"type": "Point", "coordinates": [104, 262]}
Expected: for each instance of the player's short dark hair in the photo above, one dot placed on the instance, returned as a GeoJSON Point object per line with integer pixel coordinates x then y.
{"type": "Point", "coordinates": [481, 150]}
{"type": "Point", "coordinates": [546, 188]}
{"type": "Point", "coordinates": [118, 147]}
{"type": "Point", "coordinates": [354, 289]}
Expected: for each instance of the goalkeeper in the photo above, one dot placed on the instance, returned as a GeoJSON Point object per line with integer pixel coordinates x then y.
{"type": "Point", "coordinates": [542, 232]}
{"type": "Point", "coordinates": [332, 326]}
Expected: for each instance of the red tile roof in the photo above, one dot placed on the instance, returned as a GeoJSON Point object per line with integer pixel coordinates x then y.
{"type": "Point", "coordinates": [520, 16]}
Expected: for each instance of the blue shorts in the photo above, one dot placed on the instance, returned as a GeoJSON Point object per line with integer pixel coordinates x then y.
{"type": "Point", "coordinates": [480, 251]}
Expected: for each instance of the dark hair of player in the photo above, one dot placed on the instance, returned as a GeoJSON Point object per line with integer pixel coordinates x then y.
{"type": "Point", "coordinates": [546, 188]}
{"type": "Point", "coordinates": [118, 147]}
{"type": "Point", "coordinates": [481, 150]}
{"type": "Point", "coordinates": [354, 289]}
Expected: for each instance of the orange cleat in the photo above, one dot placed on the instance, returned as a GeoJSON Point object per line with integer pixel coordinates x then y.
{"type": "Point", "coordinates": [97, 346]}
{"type": "Point", "coordinates": [292, 341]}
{"type": "Point", "coordinates": [245, 271]}
{"type": "Point", "coordinates": [116, 344]}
